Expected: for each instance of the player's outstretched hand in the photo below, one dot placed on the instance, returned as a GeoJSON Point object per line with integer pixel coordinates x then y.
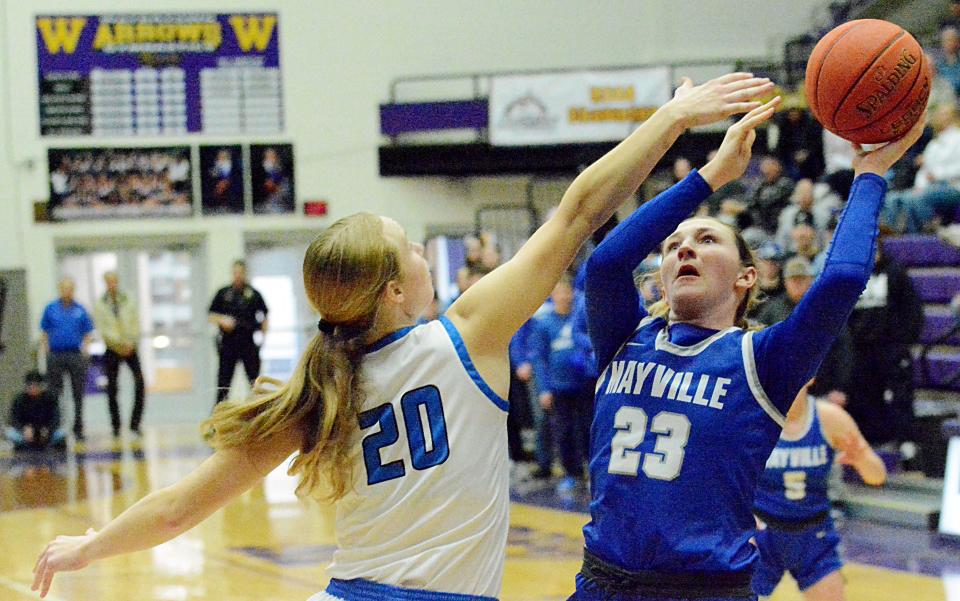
{"type": "Point", "coordinates": [879, 160]}
{"type": "Point", "coordinates": [62, 554]}
{"type": "Point", "coordinates": [718, 98]}
{"type": "Point", "coordinates": [734, 153]}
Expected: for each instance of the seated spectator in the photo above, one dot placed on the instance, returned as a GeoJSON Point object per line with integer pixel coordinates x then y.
{"type": "Point", "coordinates": [35, 417]}
{"type": "Point", "coordinates": [936, 189]}
{"type": "Point", "coordinates": [772, 196]}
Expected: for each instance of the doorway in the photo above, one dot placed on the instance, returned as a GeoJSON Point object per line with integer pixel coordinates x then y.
{"type": "Point", "coordinates": [166, 282]}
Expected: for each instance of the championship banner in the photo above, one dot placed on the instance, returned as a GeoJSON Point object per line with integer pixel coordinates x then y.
{"type": "Point", "coordinates": [159, 74]}
{"type": "Point", "coordinates": [584, 106]}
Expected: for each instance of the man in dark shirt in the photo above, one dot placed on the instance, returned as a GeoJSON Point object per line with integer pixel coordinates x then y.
{"type": "Point", "coordinates": [35, 417]}
{"type": "Point", "coordinates": [238, 311]}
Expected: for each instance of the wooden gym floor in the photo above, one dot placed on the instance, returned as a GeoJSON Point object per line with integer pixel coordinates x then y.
{"type": "Point", "coordinates": [266, 545]}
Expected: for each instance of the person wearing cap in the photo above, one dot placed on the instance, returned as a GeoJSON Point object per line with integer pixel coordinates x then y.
{"type": "Point", "coordinates": [797, 278]}
{"type": "Point", "coordinates": [833, 378]}
{"type": "Point", "coordinates": [35, 417]}
{"type": "Point", "coordinates": [769, 263]}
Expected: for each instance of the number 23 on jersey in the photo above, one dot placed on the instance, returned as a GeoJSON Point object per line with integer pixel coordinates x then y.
{"type": "Point", "coordinates": [666, 459]}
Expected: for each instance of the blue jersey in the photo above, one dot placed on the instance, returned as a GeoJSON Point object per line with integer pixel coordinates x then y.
{"type": "Point", "coordinates": [794, 484]}
{"type": "Point", "coordinates": [681, 432]}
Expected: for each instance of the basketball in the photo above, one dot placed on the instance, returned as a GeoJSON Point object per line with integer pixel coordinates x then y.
{"type": "Point", "coordinates": [868, 81]}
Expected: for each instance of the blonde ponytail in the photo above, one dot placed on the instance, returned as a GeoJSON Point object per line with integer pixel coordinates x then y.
{"type": "Point", "coordinates": [345, 271]}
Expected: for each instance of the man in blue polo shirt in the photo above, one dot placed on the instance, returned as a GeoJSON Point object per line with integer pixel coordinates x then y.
{"type": "Point", "coordinates": [66, 328]}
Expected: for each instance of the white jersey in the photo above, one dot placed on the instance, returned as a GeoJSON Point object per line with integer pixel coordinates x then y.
{"type": "Point", "coordinates": [429, 509]}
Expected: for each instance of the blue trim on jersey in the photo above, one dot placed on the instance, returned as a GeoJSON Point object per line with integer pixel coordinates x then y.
{"type": "Point", "coordinates": [392, 337]}
{"type": "Point", "coordinates": [461, 348]}
{"type": "Point", "coordinates": [365, 590]}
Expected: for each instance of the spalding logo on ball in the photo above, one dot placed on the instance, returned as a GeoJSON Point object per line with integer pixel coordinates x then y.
{"type": "Point", "coordinates": [868, 81]}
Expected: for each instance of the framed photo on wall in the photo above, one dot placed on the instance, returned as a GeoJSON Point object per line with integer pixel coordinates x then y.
{"type": "Point", "coordinates": [271, 167]}
{"type": "Point", "coordinates": [96, 183]}
{"type": "Point", "coordinates": [221, 180]}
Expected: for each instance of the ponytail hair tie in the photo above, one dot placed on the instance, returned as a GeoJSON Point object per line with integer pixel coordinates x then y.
{"type": "Point", "coordinates": [326, 327]}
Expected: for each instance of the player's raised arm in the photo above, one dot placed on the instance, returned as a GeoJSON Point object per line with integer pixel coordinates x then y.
{"type": "Point", "coordinates": [490, 312]}
{"type": "Point", "coordinates": [169, 512]}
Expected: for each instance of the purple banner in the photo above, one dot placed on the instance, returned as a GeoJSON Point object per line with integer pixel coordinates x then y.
{"type": "Point", "coordinates": [159, 74]}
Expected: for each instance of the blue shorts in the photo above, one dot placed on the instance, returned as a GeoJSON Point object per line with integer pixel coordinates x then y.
{"type": "Point", "coordinates": [809, 555]}
{"type": "Point", "coordinates": [588, 591]}
{"type": "Point", "coordinates": [365, 590]}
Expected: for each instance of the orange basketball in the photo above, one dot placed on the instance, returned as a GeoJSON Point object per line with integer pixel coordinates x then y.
{"type": "Point", "coordinates": [868, 81]}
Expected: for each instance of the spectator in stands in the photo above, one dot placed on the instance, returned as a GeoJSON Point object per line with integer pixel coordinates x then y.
{"type": "Point", "coordinates": [769, 258]}
{"type": "Point", "coordinates": [35, 417]}
{"type": "Point", "coordinates": [833, 378]}
{"type": "Point", "coordinates": [797, 277]}
{"type": "Point", "coordinates": [887, 319]}
{"type": "Point", "coordinates": [947, 59]}
{"type": "Point", "coordinates": [936, 190]}
{"type": "Point", "coordinates": [772, 196]}
{"type": "Point", "coordinates": [66, 331]}
{"type": "Point", "coordinates": [799, 143]}
{"type": "Point", "coordinates": [804, 241]}
{"type": "Point", "coordinates": [799, 211]}
{"type": "Point", "coordinates": [564, 389]}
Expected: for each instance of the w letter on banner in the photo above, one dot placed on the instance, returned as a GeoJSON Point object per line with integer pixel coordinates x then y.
{"type": "Point", "coordinates": [253, 31]}
{"type": "Point", "coordinates": [61, 33]}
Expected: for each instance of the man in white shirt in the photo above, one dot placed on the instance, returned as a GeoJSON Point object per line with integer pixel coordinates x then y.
{"type": "Point", "coordinates": [936, 189]}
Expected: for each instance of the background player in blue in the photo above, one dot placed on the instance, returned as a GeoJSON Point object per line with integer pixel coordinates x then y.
{"type": "Point", "coordinates": [796, 533]}
{"type": "Point", "coordinates": [690, 404]}
{"type": "Point", "coordinates": [412, 522]}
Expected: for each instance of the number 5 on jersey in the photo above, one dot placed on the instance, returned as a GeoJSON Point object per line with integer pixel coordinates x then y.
{"type": "Point", "coordinates": [664, 463]}
{"type": "Point", "coordinates": [426, 430]}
